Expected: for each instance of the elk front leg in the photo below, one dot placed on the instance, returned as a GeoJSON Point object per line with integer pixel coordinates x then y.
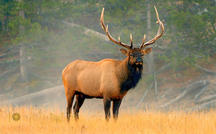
{"type": "Point", "coordinates": [107, 108]}
{"type": "Point", "coordinates": [116, 105]}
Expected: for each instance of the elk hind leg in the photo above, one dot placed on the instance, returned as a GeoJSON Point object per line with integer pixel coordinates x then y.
{"type": "Point", "coordinates": [78, 103]}
{"type": "Point", "coordinates": [70, 97]}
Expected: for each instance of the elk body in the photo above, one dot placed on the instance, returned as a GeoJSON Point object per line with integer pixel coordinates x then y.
{"type": "Point", "coordinates": [108, 79]}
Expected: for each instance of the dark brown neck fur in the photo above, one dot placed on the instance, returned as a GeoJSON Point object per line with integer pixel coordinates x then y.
{"type": "Point", "coordinates": [133, 77]}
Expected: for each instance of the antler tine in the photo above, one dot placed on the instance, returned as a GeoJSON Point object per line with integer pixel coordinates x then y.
{"type": "Point", "coordinates": [131, 40]}
{"type": "Point", "coordinates": [108, 34]}
{"type": "Point", "coordinates": [143, 41]}
{"type": "Point", "coordinates": [119, 38]}
{"type": "Point", "coordinates": [159, 32]}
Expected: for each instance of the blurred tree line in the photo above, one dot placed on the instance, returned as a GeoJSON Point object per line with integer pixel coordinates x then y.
{"type": "Point", "coordinates": [190, 24]}
{"type": "Point", "coordinates": [38, 15]}
{"type": "Point", "coordinates": [190, 29]}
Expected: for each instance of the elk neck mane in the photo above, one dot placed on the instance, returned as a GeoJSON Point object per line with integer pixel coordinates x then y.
{"type": "Point", "coordinates": [133, 77]}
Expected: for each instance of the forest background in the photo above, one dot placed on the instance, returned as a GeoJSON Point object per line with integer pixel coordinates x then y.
{"type": "Point", "coordinates": [39, 38]}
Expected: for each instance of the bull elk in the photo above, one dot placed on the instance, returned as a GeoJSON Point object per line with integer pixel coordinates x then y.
{"type": "Point", "coordinates": [108, 79]}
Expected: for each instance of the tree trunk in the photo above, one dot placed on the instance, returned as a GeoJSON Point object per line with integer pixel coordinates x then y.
{"type": "Point", "coordinates": [150, 57]}
{"type": "Point", "coordinates": [22, 48]}
{"type": "Point", "coordinates": [22, 59]}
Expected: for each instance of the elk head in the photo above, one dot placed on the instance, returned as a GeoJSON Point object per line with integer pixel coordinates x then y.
{"type": "Point", "coordinates": [135, 54]}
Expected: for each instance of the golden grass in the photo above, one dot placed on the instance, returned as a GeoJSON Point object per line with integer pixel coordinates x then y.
{"type": "Point", "coordinates": [42, 121]}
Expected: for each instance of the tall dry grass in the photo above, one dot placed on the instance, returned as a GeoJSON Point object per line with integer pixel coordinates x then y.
{"type": "Point", "coordinates": [43, 121]}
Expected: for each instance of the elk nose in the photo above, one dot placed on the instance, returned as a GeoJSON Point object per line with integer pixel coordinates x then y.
{"type": "Point", "coordinates": [139, 60]}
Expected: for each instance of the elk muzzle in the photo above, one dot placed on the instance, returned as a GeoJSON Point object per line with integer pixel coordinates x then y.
{"type": "Point", "coordinates": [139, 61]}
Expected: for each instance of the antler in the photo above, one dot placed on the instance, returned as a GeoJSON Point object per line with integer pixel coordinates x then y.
{"type": "Point", "coordinates": [131, 41]}
{"type": "Point", "coordinates": [105, 28]}
{"type": "Point", "coordinates": [159, 32]}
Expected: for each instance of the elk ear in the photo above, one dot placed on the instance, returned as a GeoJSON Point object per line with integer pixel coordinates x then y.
{"type": "Point", "coordinates": [146, 51]}
{"type": "Point", "coordinates": [124, 51]}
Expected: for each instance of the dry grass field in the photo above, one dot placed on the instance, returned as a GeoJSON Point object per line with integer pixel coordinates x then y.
{"type": "Point", "coordinates": [47, 121]}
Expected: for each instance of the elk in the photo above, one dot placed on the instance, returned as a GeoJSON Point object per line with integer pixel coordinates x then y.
{"type": "Point", "coordinates": [108, 79]}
